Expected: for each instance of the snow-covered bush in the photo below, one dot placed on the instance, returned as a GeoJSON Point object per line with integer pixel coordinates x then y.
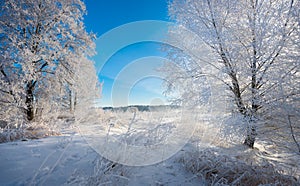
{"type": "Point", "coordinates": [105, 173]}
{"type": "Point", "coordinates": [219, 168]}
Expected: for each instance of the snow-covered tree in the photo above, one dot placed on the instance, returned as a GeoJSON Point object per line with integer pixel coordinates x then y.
{"type": "Point", "coordinates": [253, 51]}
{"type": "Point", "coordinates": [43, 46]}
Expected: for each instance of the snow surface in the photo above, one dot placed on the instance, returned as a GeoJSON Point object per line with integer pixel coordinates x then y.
{"type": "Point", "coordinates": [70, 159]}
{"type": "Point", "coordinates": [55, 160]}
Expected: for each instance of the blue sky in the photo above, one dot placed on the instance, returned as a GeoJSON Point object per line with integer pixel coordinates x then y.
{"type": "Point", "coordinates": [129, 75]}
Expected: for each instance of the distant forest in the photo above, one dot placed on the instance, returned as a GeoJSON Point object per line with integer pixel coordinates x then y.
{"type": "Point", "coordinates": [142, 108]}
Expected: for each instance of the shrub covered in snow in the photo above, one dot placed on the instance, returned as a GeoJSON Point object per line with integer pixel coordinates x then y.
{"type": "Point", "coordinates": [217, 167]}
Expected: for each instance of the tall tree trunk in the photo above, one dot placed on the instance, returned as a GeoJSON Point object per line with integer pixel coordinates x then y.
{"type": "Point", "coordinates": [251, 129]}
{"type": "Point", "coordinates": [30, 99]}
{"type": "Point", "coordinates": [251, 133]}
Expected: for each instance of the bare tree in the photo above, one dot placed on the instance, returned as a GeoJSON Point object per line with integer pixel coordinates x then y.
{"type": "Point", "coordinates": [251, 48]}
{"type": "Point", "coordinates": [43, 45]}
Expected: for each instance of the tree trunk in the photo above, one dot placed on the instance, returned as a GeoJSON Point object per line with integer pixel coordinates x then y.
{"type": "Point", "coordinates": [75, 100]}
{"type": "Point", "coordinates": [30, 100]}
{"type": "Point", "coordinates": [251, 135]}
{"type": "Point", "coordinates": [71, 100]}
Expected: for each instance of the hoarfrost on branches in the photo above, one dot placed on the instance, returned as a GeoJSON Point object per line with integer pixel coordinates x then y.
{"type": "Point", "coordinates": [253, 59]}
{"type": "Point", "coordinates": [44, 47]}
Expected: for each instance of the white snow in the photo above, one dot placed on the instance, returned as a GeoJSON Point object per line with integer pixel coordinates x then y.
{"type": "Point", "coordinates": [69, 159]}
{"type": "Point", "coordinates": [47, 161]}
{"type": "Point", "coordinates": [53, 161]}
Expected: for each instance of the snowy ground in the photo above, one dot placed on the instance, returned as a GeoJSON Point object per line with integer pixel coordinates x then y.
{"type": "Point", "coordinates": [69, 159]}
{"type": "Point", "coordinates": [47, 161]}
{"type": "Point", "coordinates": [66, 159]}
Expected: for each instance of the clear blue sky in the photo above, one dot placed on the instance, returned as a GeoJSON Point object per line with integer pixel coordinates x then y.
{"type": "Point", "coordinates": [105, 15]}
